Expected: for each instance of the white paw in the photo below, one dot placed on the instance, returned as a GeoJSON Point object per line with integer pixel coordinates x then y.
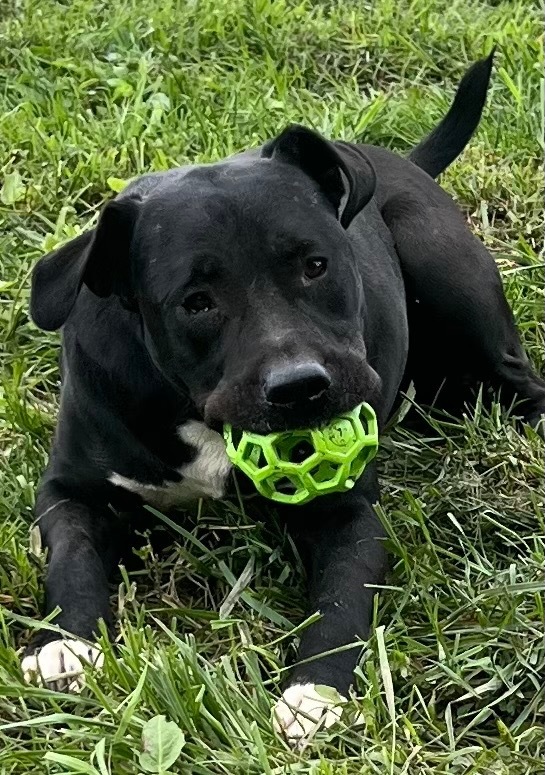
{"type": "Point", "coordinates": [304, 709]}
{"type": "Point", "coordinates": [59, 665]}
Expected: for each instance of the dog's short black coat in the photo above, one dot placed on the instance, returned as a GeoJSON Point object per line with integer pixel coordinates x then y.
{"type": "Point", "coordinates": [201, 285]}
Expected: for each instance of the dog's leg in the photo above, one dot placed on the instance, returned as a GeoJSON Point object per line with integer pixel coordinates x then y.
{"type": "Point", "coordinates": [83, 548]}
{"type": "Point", "coordinates": [340, 542]}
{"type": "Point", "coordinates": [461, 327]}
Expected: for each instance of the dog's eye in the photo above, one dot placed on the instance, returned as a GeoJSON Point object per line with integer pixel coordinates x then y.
{"type": "Point", "coordinates": [315, 267]}
{"type": "Point", "coordinates": [198, 302]}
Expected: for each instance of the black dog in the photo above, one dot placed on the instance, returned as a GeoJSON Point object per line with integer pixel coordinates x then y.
{"type": "Point", "coordinates": [271, 290]}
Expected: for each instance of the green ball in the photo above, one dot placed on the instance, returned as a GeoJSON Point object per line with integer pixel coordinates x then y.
{"type": "Point", "coordinates": [295, 466]}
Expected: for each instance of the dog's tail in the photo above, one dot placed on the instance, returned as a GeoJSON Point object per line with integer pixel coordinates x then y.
{"type": "Point", "coordinates": [449, 138]}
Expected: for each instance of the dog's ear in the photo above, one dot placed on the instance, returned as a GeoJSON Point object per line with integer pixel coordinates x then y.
{"type": "Point", "coordinates": [343, 172]}
{"type": "Point", "coordinates": [98, 258]}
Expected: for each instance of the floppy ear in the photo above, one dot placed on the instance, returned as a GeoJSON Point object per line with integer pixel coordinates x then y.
{"type": "Point", "coordinates": [98, 258]}
{"type": "Point", "coordinates": [344, 173]}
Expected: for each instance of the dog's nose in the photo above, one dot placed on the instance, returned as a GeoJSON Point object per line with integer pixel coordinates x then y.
{"type": "Point", "coordinates": [296, 382]}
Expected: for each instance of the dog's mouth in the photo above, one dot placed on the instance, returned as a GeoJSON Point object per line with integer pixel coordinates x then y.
{"type": "Point", "coordinates": [243, 405]}
{"type": "Point", "coordinates": [265, 418]}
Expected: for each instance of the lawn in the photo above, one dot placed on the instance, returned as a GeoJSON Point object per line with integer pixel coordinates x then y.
{"type": "Point", "coordinates": [93, 93]}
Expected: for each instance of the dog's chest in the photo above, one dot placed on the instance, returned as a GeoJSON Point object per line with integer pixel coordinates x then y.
{"type": "Point", "coordinates": [204, 477]}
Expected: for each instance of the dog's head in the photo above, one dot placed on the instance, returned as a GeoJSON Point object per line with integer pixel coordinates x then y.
{"type": "Point", "coordinates": [244, 278]}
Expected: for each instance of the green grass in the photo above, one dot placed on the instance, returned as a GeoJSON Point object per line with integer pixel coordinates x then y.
{"type": "Point", "coordinates": [92, 91]}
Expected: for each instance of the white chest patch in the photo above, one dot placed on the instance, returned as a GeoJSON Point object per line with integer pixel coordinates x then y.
{"type": "Point", "coordinates": [204, 477]}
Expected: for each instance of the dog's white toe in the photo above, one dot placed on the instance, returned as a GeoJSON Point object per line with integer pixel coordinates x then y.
{"type": "Point", "coordinates": [303, 709]}
{"type": "Point", "coordinates": [59, 665]}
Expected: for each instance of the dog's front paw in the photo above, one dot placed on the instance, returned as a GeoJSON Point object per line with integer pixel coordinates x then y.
{"type": "Point", "coordinates": [303, 709]}
{"type": "Point", "coordinates": [59, 665]}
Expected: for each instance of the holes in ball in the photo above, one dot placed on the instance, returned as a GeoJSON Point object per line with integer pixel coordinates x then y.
{"type": "Point", "coordinates": [301, 451]}
{"type": "Point", "coordinates": [286, 486]}
{"type": "Point", "coordinates": [360, 462]}
{"type": "Point", "coordinates": [236, 436]}
{"type": "Point", "coordinates": [326, 471]}
{"type": "Point", "coordinates": [293, 448]}
{"type": "Point", "coordinates": [254, 454]}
